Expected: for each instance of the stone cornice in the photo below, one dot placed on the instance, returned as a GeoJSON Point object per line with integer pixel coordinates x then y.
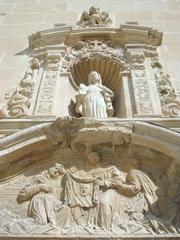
{"type": "Point", "coordinates": [126, 34]}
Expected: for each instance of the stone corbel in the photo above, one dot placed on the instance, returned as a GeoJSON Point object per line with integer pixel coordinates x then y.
{"type": "Point", "coordinates": [74, 133]}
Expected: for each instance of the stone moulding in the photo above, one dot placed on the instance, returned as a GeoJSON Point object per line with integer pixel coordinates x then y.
{"type": "Point", "coordinates": [69, 35]}
{"type": "Point", "coordinates": [19, 150]}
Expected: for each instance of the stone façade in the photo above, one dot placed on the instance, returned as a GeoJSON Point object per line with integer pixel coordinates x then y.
{"type": "Point", "coordinates": [138, 159]}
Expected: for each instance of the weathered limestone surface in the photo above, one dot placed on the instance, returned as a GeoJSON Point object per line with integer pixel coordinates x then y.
{"type": "Point", "coordinates": [18, 15]}
{"type": "Point", "coordinates": [89, 119]}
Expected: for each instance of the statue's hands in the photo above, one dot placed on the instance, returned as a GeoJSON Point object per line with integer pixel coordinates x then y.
{"type": "Point", "coordinates": [47, 188]}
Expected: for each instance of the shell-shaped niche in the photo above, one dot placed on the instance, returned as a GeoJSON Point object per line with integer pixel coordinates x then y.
{"type": "Point", "coordinates": [108, 69]}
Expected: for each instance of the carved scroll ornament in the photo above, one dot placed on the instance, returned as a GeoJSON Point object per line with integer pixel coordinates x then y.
{"type": "Point", "coordinates": [20, 99]}
{"type": "Point", "coordinates": [170, 102]}
{"type": "Point", "coordinates": [74, 133]}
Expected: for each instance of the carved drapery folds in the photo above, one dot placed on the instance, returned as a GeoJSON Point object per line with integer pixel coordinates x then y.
{"type": "Point", "coordinates": [94, 100]}
{"type": "Point", "coordinates": [94, 188]}
{"type": "Point", "coordinates": [101, 200]}
{"type": "Point", "coordinates": [98, 171]}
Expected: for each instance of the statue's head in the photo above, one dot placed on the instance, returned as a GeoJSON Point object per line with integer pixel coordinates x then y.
{"type": "Point", "coordinates": [56, 170]}
{"type": "Point", "coordinates": [94, 158]}
{"type": "Point", "coordinates": [94, 77]}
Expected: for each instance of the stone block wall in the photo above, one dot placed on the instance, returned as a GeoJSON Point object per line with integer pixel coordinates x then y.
{"type": "Point", "coordinates": [20, 18]}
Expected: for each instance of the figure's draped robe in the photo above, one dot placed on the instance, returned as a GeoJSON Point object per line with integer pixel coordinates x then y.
{"type": "Point", "coordinates": [43, 206]}
{"type": "Point", "coordinates": [92, 100]}
{"type": "Point", "coordinates": [83, 196]}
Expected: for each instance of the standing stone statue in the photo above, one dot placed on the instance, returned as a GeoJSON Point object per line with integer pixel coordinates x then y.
{"type": "Point", "coordinates": [94, 100]}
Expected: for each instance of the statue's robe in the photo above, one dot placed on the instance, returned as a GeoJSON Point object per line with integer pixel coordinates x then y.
{"type": "Point", "coordinates": [43, 206]}
{"type": "Point", "coordinates": [131, 206]}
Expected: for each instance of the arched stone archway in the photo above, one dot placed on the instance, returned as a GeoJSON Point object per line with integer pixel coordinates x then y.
{"type": "Point", "coordinates": [154, 151]}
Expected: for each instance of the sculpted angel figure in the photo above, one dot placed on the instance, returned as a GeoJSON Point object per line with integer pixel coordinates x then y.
{"type": "Point", "coordinates": [95, 17]}
{"type": "Point", "coordinates": [94, 100]}
{"type": "Point", "coordinates": [43, 196]}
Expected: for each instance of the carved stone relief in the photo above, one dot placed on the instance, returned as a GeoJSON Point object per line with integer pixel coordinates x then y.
{"type": "Point", "coordinates": [109, 55]}
{"type": "Point", "coordinates": [73, 133]}
{"type": "Point", "coordinates": [98, 180]}
{"type": "Point", "coordinates": [47, 91]}
{"type": "Point", "coordinates": [98, 200]}
{"type": "Point", "coordinates": [94, 173]}
{"type": "Point", "coordinates": [19, 100]}
{"type": "Point", "coordinates": [94, 100]}
{"type": "Point", "coordinates": [94, 18]}
{"type": "Point", "coordinates": [170, 102]}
